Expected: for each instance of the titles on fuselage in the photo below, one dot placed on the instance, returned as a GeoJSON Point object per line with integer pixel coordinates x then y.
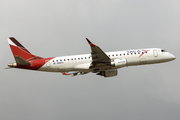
{"type": "Point", "coordinates": [134, 51]}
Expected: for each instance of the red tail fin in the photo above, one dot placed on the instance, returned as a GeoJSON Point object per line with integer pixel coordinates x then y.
{"type": "Point", "coordinates": [19, 50]}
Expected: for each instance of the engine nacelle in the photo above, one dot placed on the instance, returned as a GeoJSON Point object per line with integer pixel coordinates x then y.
{"type": "Point", "coordinates": [119, 63]}
{"type": "Point", "coordinates": [108, 73]}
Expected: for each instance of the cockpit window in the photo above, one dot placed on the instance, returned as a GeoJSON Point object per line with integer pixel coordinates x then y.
{"type": "Point", "coordinates": [163, 51]}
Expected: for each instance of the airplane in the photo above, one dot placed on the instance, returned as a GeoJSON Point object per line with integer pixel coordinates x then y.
{"type": "Point", "coordinates": [99, 62]}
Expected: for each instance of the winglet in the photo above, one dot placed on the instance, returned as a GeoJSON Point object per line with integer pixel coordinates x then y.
{"type": "Point", "coordinates": [91, 44]}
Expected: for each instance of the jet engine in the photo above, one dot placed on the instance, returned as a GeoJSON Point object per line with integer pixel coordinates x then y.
{"type": "Point", "coordinates": [108, 73]}
{"type": "Point", "coordinates": [119, 63]}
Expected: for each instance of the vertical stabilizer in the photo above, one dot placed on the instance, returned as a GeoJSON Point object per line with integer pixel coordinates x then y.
{"type": "Point", "coordinates": [19, 50]}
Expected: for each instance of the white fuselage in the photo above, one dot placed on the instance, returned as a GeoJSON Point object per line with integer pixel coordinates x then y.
{"type": "Point", "coordinates": [99, 62]}
{"type": "Point", "coordinates": [83, 62]}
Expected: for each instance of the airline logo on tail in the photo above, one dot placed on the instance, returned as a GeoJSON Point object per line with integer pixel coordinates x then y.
{"type": "Point", "coordinates": [19, 50]}
{"type": "Point", "coordinates": [24, 59]}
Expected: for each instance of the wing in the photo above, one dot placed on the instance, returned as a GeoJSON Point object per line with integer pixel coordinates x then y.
{"type": "Point", "coordinates": [99, 58]}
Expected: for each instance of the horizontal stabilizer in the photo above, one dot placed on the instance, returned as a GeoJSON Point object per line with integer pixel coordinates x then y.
{"type": "Point", "coordinates": [21, 61]}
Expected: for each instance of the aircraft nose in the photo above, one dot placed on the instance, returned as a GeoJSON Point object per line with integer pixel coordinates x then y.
{"type": "Point", "coordinates": [173, 57]}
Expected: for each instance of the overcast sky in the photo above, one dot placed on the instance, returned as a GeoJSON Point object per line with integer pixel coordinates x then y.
{"type": "Point", "coordinates": [59, 27]}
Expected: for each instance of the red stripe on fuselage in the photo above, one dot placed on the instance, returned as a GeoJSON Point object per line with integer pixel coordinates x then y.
{"type": "Point", "coordinates": [35, 64]}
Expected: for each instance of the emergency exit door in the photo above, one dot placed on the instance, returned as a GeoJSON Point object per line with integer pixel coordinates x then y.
{"type": "Point", "coordinates": [155, 53]}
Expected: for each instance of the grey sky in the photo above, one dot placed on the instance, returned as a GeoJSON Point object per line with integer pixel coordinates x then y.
{"type": "Point", "coordinates": [55, 28]}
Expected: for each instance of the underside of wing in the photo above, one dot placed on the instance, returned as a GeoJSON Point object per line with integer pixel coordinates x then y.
{"type": "Point", "coordinates": [75, 73]}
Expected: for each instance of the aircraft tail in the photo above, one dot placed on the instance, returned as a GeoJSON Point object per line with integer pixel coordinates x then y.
{"type": "Point", "coordinates": [20, 52]}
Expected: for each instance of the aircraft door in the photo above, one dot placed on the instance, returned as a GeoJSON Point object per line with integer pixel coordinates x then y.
{"type": "Point", "coordinates": [155, 53]}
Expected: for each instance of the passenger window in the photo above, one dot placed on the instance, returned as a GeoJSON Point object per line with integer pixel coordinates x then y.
{"type": "Point", "coordinates": [71, 58]}
{"type": "Point", "coordinates": [116, 54]}
{"type": "Point", "coordinates": [78, 58]}
{"type": "Point", "coordinates": [64, 59]}
{"type": "Point", "coordinates": [74, 58]}
{"type": "Point", "coordinates": [120, 54]}
{"type": "Point", "coordinates": [81, 58]}
{"type": "Point", "coordinates": [57, 60]}
{"type": "Point", "coordinates": [68, 59]}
